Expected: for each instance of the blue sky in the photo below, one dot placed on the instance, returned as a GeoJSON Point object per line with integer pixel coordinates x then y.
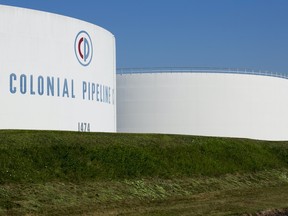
{"type": "Point", "coordinates": [181, 33]}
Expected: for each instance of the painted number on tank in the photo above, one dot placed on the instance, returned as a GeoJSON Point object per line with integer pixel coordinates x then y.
{"type": "Point", "coordinates": [83, 127]}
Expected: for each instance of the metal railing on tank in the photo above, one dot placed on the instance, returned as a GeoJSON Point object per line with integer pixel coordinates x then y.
{"type": "Point", "coordinates": [200, 70]}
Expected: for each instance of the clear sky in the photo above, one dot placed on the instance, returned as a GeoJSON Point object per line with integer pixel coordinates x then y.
{"type": "Point", "coordinates": [181, 33]}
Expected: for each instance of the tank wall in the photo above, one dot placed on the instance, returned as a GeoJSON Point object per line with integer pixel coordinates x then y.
{"type": "Point", "coordinates": [56, 73]}
{"type": "Point", "coordinates": [206, 104]}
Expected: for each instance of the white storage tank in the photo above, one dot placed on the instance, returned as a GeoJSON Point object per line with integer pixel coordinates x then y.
{"type": "Point", "coordinates": [56, 73]}
{"type": "Point", "coordinates": [206, 102]}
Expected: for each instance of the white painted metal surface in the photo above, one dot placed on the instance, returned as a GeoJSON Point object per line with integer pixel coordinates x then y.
{"type": "Point", "coordinates": [56, 73]}
{"type": "Point", "coordinates": [206, 104]}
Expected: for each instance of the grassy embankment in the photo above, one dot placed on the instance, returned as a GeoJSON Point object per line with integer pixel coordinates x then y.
{"type": "Point", "coordinates": [60, 173]}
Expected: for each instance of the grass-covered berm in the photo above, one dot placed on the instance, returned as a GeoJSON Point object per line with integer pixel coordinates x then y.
{"type": "Point", "coordinates": [70, 173]}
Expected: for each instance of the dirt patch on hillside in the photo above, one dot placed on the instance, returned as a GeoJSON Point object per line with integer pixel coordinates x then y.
{"type": "Point", "coordinates": [274, 212]}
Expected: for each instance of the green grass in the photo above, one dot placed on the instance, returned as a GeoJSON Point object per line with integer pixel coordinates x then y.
{"type": "Point", "coordinates": [38, 156]}
{"type": "Point", "coordinates": [45, 172]}
{"type": "Point", "coordinates": [226, 195]}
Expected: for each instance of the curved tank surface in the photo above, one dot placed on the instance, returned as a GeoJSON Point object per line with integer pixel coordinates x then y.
{"type": "Point", "coordinates": [221, 103]}
{"type": "Point", "coordinates": [56, 73]}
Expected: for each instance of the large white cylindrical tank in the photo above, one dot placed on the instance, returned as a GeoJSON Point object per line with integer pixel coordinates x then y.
{"type": "Point", "coordinates": [203, 103]}
{"type": "Point", "coordinates": [56, 73]}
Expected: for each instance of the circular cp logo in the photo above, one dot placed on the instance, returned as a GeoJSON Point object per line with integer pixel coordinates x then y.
{"type": "Point", "coordinates": [83, 48]}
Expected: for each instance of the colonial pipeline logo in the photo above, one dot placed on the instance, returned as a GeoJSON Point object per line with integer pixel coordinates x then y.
{"type": "Point", "coordinates": [83, 48]}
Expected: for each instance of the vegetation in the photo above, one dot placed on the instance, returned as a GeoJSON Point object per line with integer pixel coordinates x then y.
{"type": "Point", "coordinates": [48, 172]}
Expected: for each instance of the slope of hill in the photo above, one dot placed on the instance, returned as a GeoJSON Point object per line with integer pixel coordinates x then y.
{"type": "Point", "coordinates": [48, 172]}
